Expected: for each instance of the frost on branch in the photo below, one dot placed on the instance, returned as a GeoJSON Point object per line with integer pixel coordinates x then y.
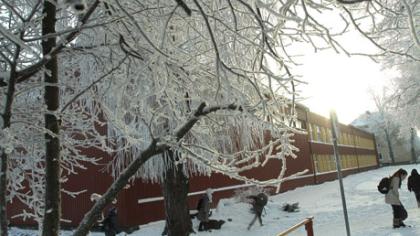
{"type": "Point", "coordinates": [168, 63]}
{"type": "Point", "coordinates": [7, 141]}
{"type": "Point", "coordinates": [25, 142]}
{"type": "Point", "coordinates": [140, 69]}
{"type": "Point", "coordinates": [393, 27]}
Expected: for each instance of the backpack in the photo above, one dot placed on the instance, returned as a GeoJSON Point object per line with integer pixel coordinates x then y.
{"type": "Point", "coordinates": [384, 184]}
{"type": "Point", "coordinates": [200, 204]}
{"type": "Point", "coordinates": [261, 199]}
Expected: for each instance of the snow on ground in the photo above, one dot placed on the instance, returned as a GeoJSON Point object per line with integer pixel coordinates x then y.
{"type": "Point", "coordinates": [368, 213]}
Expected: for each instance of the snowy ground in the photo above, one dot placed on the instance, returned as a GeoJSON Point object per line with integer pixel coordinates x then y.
{"type": "Point", "coordinates": [368, 214]}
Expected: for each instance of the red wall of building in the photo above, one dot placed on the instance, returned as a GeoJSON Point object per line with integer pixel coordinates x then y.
{"type": "Point", "coordinates": [130, 212]}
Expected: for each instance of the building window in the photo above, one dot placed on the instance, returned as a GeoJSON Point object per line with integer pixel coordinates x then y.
{"type": "Point", "coordinates": [302, 124]}
{"type": "Point", "coordinates": [329, 135]}
{"type": "Point", "coordinates": [311, 131]}
{"type": "Point", "coordinates": [297, 124]}
{"type": "Point", "coordinates": [318, 134]}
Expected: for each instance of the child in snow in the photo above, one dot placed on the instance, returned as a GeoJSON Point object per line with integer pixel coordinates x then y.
{"type": "Point", "coordinates": [413, 185]}
{"type": "Point", "coordinates": [260, 200]}
{"type": "Point", "coordinates": [393, 198]}
{"type": "Point", "coordinates": [110, 223]}
{"type": "Point", "coordinates": [203, 208]}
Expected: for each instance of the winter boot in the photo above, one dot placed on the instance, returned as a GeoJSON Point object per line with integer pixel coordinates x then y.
{"type": "Point", "coordinates": [402, 224]}
{"type": "Point", "coordinates": [396, 223]}
{"type": "Point", "coordinates": [201, 226]}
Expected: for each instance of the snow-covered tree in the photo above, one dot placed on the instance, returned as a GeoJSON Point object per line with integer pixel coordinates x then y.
{"type": "Point", "coordinates": [387, 140]}
{"type": "Point", "coordinates": [32, 34]}
{"type": "Point", "coordinates": [405, 97]}
{"type": "Point", "coordinates": [393, 144]}
{"type": "Point", "coordinates": [190, 86]}
{"type": "Point", "coordinates": [199, 85]}
{"type": "Point", "coordinates": [393, 27]}
{"type": "Point", "coordinates": [383, 121]}
{"type": "Point", "coordinates": [238, 87]}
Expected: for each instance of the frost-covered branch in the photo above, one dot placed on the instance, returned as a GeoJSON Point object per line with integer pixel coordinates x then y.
{"type": "Point", "coordinates": [412, 23]}
{"type": "Point", "coordinates": [184, 6]}
{"type": "Point", "coordinates": [351, 1]}
{"type": "Point", "coordinates": [26, 73]}
{"type": "Point", "coordinates": [233, 61]}
{"type": "Point", "coordinates": [392, 26]}
{"type": "Point", "coordinates": [202, 110]}
{"type": "Point", "coordinates": [156, 147]}
{"type": "Point", "coordinates": [5, 151]}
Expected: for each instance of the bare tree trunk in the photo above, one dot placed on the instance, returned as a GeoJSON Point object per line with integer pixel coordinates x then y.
{"type": "Point", "coordinates": [7, 116]}
{"type": "Point", "coordinates": [52, 213]}
{"type": "Point", "coordinates": [175, 190]}
{"type": "Point", "coordinates": [391, 151]}
{"type": "Point", "coordinates": [4, 158]}
{"type": "Point", "coordinates": [3, 191]}
{"type": "Point", "coordinates": [50, 63]}
{"type": "Point", "coordinates": [413, 149]}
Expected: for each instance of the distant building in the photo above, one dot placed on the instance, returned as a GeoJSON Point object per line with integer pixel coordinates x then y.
{"type": "Point", "coordinates": [142, 202]}
{"type": "Point", "coordinates": [401, 146]}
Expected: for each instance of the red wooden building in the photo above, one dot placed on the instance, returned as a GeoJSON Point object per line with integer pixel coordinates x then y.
{"type": "Point", "coordinates": [143, 202]}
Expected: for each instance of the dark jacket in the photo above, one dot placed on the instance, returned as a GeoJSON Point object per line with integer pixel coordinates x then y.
{"type": "Point", "coordinates": [413, 182]}
{"type": "Point", "coordinates": [260, 200]}
{"type": "Point", "coordinates": [110, 223]}
{"type": "Point", "coordinates": [203, 208]}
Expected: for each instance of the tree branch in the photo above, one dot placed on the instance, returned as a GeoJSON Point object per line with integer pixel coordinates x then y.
{"type": "Point", "coordinates": [30, 71]}
{"type": "Point", "coordinates": [373, 41]}
{"type": "Point", "coordinates": [92, 84]}
{"type": "Point", "coordinates": [114, 189]}
{"type": "Point", "coordinates": [411, 23]}
{"type": "Point", "coordinates": [352, 1]}
{"type": "Point", "coordinates": [152, 150]}
{"type": "Point", "coordinates": [202, 111]}
{"type": "Point", "coordinates": [184, 6]}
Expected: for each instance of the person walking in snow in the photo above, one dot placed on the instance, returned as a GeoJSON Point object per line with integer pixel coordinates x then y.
{"type": "Point", "coordinates": [259, 202]}
{"type": "Point", "coordinates": [203, 208]}
{"type": "Point", "coordinates": [393, 198]}
{"type": "Point", "coordinates": [110, 223]}
{"type": "Point", "coordinates": [413, 185]}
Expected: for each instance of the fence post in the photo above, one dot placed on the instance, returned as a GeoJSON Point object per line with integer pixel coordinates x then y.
{"type": "Point", "coordinates": [309, 228]}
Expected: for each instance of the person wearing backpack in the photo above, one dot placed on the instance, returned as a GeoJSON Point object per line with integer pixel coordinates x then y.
{"type": "Point", "coordinates": [110, 223]}
{"type": "Point", "coordinates": [413, 185]}
{"type": "Point", "coordinates": [393, 198]}
{"type": "Point", "coordinates": [259, 202]}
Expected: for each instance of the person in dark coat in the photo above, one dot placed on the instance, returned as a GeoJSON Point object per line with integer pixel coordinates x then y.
{"type": "Point", "coordinates": [413, 185]}
{"type": "Point", "coordinates": [203, 208]}
{"type": "Point", "coordinates": [110, 223]}
{"type": "Point", "coordinates": [258, 204]}
{"type": "Point", "coordinates": [393, 198]}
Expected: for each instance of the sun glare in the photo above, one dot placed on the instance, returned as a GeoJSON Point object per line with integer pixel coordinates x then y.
{"type": "Point", "coordinates": [342, 83]}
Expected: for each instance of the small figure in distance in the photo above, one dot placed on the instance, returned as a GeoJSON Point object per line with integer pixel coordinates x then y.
{"type": "Point", "coordinates": [109, 225]}
{"type": "Point", "coordinates": [393, 198]}
{"type": "Point", "coordinates": [258, 204]}
{"type": "Point", "coordinates": [413, 185]}
{"type": "Point", "coordinates": [203, 208]}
